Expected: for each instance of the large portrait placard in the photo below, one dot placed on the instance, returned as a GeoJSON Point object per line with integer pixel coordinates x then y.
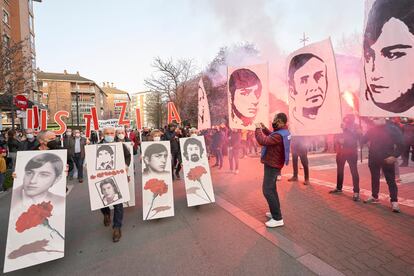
{"type": "Point", "coordinates": [248, 96]}
{"type": "Point", "coordinates": [36, 232]}
{"type": "Point", "coordinates": [197, 177]}
{"type": "Point", "coordinates": [107, 175]}
{"type": "Point", "coordinates": [157, 186]}
{"type": "Point", "coordinates": [314, 96]}
{"type": "Point", "coordinates": [387, 86]}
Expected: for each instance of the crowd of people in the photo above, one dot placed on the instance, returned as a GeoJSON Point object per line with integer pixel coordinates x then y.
{"type": "Point", "coordinates": [387, 140]}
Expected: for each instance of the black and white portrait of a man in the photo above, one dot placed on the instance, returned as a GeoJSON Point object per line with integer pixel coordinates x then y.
{"type": "Point", "coordinates": [105, 157]}
{"type": "Point", "coordinates": [193, 150]}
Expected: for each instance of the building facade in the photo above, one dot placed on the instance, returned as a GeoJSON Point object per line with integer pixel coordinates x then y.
{"type": "Point", "coordinates": [73, 93]}
{"type": "Point", "coordinates": [116, 95]}
{"type": "Point", "coordinates": [17, 28]}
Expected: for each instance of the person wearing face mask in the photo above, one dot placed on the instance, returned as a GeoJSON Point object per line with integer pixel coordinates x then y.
{"type": "Point", "coordinates": [121, 136]}
{"type": "Point", "coordinates": [386, 144]}
{"type": "Point", "coordinates": [275, 154]}
{"type": "Point", "coordinates": [109, 137]}
{"type": "Point", "coordinates": [76, 152]}
{"type": "Point", "coordinates": [31, 142]}
{"type": "Point", "coordinates": [155, 135]}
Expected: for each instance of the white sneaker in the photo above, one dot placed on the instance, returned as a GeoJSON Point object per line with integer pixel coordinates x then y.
{"type": "Point", "coordinates": [236, 172]}
{"type": "Point", "coordinates": [395, 207]}
{"type": "Point", "coordinates": [269, 215]}
{"type": "Point", "coordinates": [274, 223]}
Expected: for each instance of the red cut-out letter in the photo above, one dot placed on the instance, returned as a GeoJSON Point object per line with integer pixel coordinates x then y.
{"type": "Point", "coordinates": [173, 113]}
{"type": "Point", "coordinates": [122, 120]}
{"type": "Point", "coordinates": [43, 119]}
{"type": "Point", "coordinates": [138, 118]}
{"type": "Point", "coordinates": [29, 118]}
{"type": "Point", "coordinates": [95, 118]}
{"type": "Point", "coordinates": [87, 118]}
{"type": "Point", "coordinates": [36, 116]}
{"type": "Point", "coordinates": [58, 119]}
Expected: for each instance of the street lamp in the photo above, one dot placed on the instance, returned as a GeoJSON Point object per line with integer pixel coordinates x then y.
{"type": "Point", "coordinates": [77, 107]}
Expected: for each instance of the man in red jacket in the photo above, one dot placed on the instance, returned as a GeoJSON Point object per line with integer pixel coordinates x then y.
{"type": "Point", "coordinates": [275, 154]}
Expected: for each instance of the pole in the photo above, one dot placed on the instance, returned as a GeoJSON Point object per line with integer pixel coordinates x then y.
{"type": "Point", "coordinates": [77, 108]}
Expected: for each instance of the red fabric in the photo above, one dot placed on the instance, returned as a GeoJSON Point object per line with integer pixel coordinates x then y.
{"type": "Point", "coordinates": [275, 154]}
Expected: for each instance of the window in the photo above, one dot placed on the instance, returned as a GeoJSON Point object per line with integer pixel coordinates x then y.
{"type": "Point", "coordinates": [6, 40]}
{"type": "Point", "coordinates": [31, 24]}
{"type": "Point", "coordinates": [6, 17]}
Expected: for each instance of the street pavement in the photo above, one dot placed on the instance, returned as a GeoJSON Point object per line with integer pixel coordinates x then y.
{"type": "Point", "coordinates": [323, 234]}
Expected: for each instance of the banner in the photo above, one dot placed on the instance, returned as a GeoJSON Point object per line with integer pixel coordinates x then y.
{"type": "Point", "coordinates": [36, 232]}
{"type": "Point", "coordinates": [157, 186]}
{"type": "Point", "coordinates": [387, 86]}
{"type": "Point", "coordinates": [204, 121]}
{"type": "Point", "coordinates": [109, 123]}
{"type": "Point", "coordinates": [197, 177]}
{"type": "Point", "coordinates": [107, 175]}
{"type": "Point", "coordinates": [248, 96]}
{"type": "Point", "coordinates": [314, 95]}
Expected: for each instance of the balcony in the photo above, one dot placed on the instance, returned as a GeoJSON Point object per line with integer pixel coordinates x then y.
{"type": "Point", "coordinates": [90, 90]}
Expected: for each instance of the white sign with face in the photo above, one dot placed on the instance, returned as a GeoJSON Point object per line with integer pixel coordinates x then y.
{"type": "Point", "coordinates": [36, 231]}
{"type": "Point", "coordinates": [197, 177]}
{"type": "Point", "coordinates": [157, 185]}
{"type": "Point", "coordinates": [388, 80]}
{"type": "Point", "coordinates": [248, 96]}
{"type": "Point", "coordinates": [107, 175]}
{"type": "Point", "coordinates": [314, 97]}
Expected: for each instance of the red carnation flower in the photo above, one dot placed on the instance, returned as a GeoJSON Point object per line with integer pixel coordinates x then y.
{"type": "Point", "coordinates": [196, 173]}
{"type": "Point", "coordinates": [156, 186]}
{"type": "Point", "coordinates": [35, 215]}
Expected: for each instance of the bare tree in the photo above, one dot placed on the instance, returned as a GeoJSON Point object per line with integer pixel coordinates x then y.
{"type": "Point", "coordinates": [16, 71]}
{"type": "Point", "coordinates": [170, 80]}
{"type": "Point", "coordinates": [154, 110]}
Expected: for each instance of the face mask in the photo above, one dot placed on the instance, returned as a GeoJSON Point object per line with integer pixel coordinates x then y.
{"type": "Point", "coordinates": [83, 136]}
{"type": "Point", "coordinates": [193, 135]}
{"type": "Point", "coordinates": [29, 136]}
{"type": "Point", "coordinates": [157, 138]}
{"type": "Point", "coordinates": [68, 133]}
{"type": "Point", "coordinates": [109, 138]}
{"type": "Point", "coordinates": [54, 144]}
{"type": "Point", "coordinates": [77, 135]}
{"type": "Point", "coordinates": [121, 136]}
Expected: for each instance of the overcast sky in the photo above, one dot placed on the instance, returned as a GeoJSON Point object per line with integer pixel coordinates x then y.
{"type": "Point", "coordinates": [115, 41]}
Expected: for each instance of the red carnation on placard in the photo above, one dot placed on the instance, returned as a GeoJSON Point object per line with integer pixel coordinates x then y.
{"type": "Point", "coordinates": [37, 214]}
{"type": "Point", "coordinates": [158, 188]}
{"type": "Point", "coordinates": [195, 174]}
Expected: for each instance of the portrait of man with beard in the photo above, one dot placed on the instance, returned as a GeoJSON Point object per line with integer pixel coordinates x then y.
{"type": "Point", "coordinates": [193, 150]}
{"type": "Point", "coordinates": [308, 85]}
{"type": "Point", "coordinates": [389, 56]}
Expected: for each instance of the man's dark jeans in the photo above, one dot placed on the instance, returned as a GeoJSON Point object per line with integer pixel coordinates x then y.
{"type": "Point", "coordinates": [234, 157]}
{"type": "Point", "coordinates": [79, 164]}
{"type": "Point", "coordinates": [389, 173]}
{"type": "Point", "coordinates": [219, 157]}
{"type": "Point", "coordinates": [118, 214]}
{"type": "Point", "coordinates": [340, 164]}
{"type": "Point", "coordinates": [270, 191]}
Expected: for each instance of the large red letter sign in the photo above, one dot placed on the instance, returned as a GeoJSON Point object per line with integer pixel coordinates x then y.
{"type": "Point", "coordinates": [87, 118]}
{"type": "Point", "coordinates": [173, 113]}
{"type": "Point", "coordinates": [43, 119]}
{"type": "Point", "coordinates": [122, 120]}
{"type": "Point", "coordinates": [95, 118]}
{"type": "Point", "coordinates": [29, 118]}
{"type": "Point", "coordinates": [58, 119]}
{"type": "Point", "coordinates": [138, 118]}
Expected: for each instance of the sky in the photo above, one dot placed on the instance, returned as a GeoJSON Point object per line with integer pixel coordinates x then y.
{"type": "Point", "coordinates": [116, 41]}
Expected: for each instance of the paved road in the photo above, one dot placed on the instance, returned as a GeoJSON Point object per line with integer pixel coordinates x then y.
{"type": "Point", "coordinates": [324, 234]}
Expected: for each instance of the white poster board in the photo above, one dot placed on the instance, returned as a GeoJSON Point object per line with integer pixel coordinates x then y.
{"type": "Point", "coordinates": [157, 185]}
{"type": "Point", "coordinates": [204, 121]}
{"type": "Point", "coordinates": [36, 232]}
{"type": "Point", "coordinates": [131, 177]}
{"type": "Point", "coordinates": [107, 175]}
{"type": "Point", "coordinates": [248, 96]}
{"type": "Point", "coordinates": [197, 177]}
{"type": "Point", "coordinates": [387, 81]}
{"type": "Point", "coordinates": [314, 95]}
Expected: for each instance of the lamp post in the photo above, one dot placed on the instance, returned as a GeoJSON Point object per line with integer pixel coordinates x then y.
{"type": "Point", "coordinates": [77, 107]}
